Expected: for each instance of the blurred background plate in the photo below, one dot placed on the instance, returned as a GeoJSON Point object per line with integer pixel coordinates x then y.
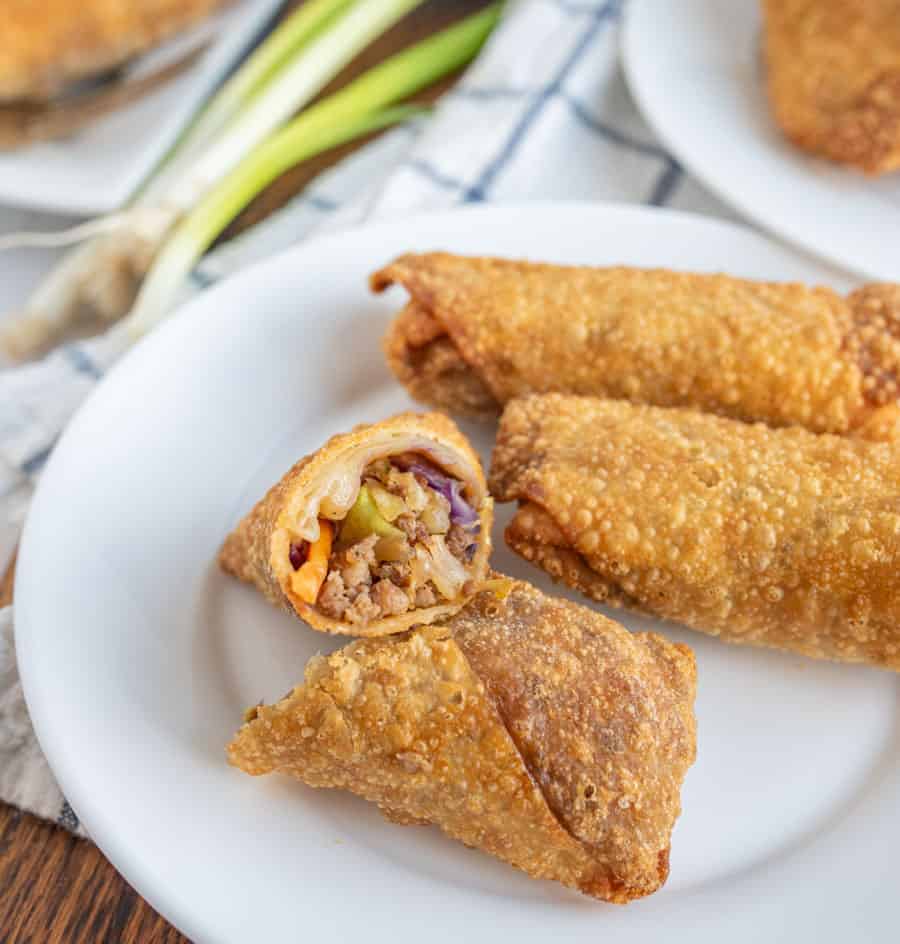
{"type": "Point", "coordinates": [695, 68]}
{"type": "Point", "coordinates": [97, 169]}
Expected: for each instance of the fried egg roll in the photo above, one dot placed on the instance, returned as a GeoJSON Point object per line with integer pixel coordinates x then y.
{"type": "Point", "coordinates": [771, 537]}
{"type": "Point", "coordinates": [50, 45]}
{"type": "Point", "coordinates": [478, 332]}
{"type": "Point", "coordinates": [529, 727]}
{"type": "Point", "coordinates": [833, 74]}
{"type": "Point", "coordinates": [382, 527]}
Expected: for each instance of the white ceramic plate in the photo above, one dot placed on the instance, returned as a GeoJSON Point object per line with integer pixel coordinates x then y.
{"type": "Point", "coordinates": [97, 170]}
{"type": "Point", "coordinates": [138, 656]}
{"type": "Point", "coordinates": [695, 68]}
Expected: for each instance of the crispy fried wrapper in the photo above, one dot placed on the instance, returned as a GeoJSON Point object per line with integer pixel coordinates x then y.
{"type": "Point", "coordinates": [771, 537]}
{"type": "Point", "coordinates": [478, 332]}
{"type": "Point", "coordinates": [833, 73]}
{"type": "Point", "coordinates": [49, 45]}
{"type": "Point", "coordinates": [531, 728]}
{"type": "Point", "coordinates": [323, 486]}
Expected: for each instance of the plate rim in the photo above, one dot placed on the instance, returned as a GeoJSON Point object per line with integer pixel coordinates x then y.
{"type": "Point", "coordinates": [126, 860]}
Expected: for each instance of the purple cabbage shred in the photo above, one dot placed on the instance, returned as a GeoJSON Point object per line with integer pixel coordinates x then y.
{"type": "Point", "coordinates": [461, 512]}
{"type": "Point", "coordinates": [298, 554]}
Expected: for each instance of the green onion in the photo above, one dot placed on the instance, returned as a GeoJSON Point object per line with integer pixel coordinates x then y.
{"type": "Point", "coordinates": [265, 61]}
{"type": "Point", "coordinates": [231, 153]}
{"type": "Point", "coordinates": [292, 86]}
{"type": "Point", "coordinates": [351, 112]}
{"type": "Point", "coordinates": [200, 228]}
{"type": "Point", "coordinates": [254, 73]}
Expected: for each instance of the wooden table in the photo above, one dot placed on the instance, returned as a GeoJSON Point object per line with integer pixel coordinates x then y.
{"type": "Point", "coordinates": [53, 887]}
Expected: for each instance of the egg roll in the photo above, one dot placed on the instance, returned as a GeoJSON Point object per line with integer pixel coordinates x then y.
{"type": "Point", "coordinates": [50, 45]}
{"type": "Point", "coordinates": [833, 76]}
{"type": "Point", "coordinates": [383, 527]}
{"type": "Point", "coordinates": [769, 537]}
{"type": "Point", "coordinates": [528, 727]}
{"type": "Point", "coordinates": [478, 332]}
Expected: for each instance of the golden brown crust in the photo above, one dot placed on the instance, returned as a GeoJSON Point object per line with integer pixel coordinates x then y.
{"type": "Point", "coordinates": [873, 340]}
{"type": "Point", "coordinates": [598, 716]}
{"type": "Point", "coordinates": [833, 73]}
{"type": "Point", "coordinates": [781, 353]}
{"type": "Point", "coordinates": [770, 537]}
{"type": "Point", "coordinates": [49, 44]}
{"type": "Point", "coordinates": [429, 365]}
{"type": "Point", "coordinates": [246, 553]}
{"type": "Point", "coordinates": [257, 550]}
{"type": "Point", "coordinates": [532, 729]}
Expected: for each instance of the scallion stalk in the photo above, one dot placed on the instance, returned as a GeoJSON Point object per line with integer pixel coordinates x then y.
{"type": "Point", "coordinates": [265, 61]}
{"type": "Point", "coordinates": [292, 86]}
{"type": "Point", "coordinates": [288, 37]}
{"type": "Point", "coordinates": [195, 191]}
{"type": "Point", "coordinates": [351, 112]}
{"type": "Point", "coordinates": [200, 228]}
{"type": "Point", "coordinates": [96, 282]}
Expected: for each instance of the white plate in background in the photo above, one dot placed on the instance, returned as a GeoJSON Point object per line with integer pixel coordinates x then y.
{"type": "Point", "coordinates": [695, 68]}
{"type": "Point", "coordinates": [96, 170]}
{"type": "Point", "coordinates": [138, 656]}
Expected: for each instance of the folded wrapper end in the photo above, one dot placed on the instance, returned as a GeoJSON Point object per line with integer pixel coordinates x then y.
{"type": "Point", "coordinates": [259, 550]}
{"type": "Point", "coordinates": [423, 357]}
{"type": "Point", "coordinates": [423, 353]}
{"type": "Point", "coordinates": [535, 536]}
{"type": "Point", "coordinates": [529, 727]}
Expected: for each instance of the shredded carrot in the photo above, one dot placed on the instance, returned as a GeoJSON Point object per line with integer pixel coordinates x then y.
{"type": "Point", "coordinates": [308, 580]}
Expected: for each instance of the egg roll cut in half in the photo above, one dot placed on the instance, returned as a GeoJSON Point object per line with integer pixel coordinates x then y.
{"type": "Point", "coordinates": [528, 727]}
{"type": "Point", "coordinates": [773, 537]}
{"type": "Point", "coordinates": [833, 73]}
{"type": "Point", "coordinates": [478, 332]}
{"type": "Point", "coordinates": [382, 527]}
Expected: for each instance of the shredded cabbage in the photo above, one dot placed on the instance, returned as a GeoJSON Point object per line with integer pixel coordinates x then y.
{"type": "Point", "coordinates": [437, 564]}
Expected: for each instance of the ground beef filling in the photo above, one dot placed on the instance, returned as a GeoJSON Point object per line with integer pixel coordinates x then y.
{"type": "Point", "coordinates": [380, 576]}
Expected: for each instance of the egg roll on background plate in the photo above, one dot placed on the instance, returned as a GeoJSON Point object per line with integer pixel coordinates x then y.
{"type": "Point", "coordinates": [530, 727]}
{"type": "Point", "coordinates": [48, 45]}
{"type": "Point", "coordinates": [833, 76]}
{"type": "Point", "coordinates": [478, 332]}
{"type": "Point", "coordinates": [383, 527]}
{"type": "Point", "coordinates": [771, 537]}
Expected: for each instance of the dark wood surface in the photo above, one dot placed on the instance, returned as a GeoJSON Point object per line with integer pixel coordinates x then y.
{"type": "Point", "coordinates": [54, 888]}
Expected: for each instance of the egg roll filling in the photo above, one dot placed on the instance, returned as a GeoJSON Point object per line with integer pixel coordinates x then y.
{"type": "Point", "coordinates": [406, 542]}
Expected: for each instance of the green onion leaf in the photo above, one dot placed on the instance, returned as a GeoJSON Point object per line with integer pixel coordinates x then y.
{"type": "Point", "coordinates": [355, 110]}
{"type": "Point", "coordinates": [284, 42]}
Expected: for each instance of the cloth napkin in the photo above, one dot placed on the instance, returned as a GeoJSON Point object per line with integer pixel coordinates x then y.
{"type": "Point", "coordinates": [544, 113]}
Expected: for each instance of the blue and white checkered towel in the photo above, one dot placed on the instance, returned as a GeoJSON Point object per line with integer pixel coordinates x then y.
{"type": "Point", "coordinates": [543, 114]}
